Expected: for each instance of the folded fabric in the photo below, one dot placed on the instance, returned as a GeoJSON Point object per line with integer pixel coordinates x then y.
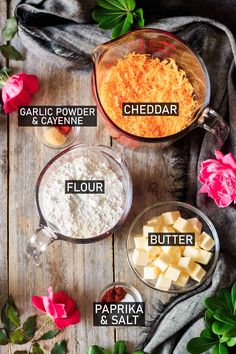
{"type": "Point", "coordinates": [56, 31]}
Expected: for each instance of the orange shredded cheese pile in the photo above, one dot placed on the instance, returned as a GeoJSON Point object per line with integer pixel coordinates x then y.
{"type": "Point", "coordinates": [141, 78]}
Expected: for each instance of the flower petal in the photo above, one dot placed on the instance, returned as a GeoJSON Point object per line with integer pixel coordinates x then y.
{"type": "Point", "coordinates": [61, 323]}
{"type": "Point", "coordinates": [38, 303]}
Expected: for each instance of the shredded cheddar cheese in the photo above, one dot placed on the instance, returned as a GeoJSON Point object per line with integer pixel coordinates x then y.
{"type": "Point", "coordinates": [141, 78]}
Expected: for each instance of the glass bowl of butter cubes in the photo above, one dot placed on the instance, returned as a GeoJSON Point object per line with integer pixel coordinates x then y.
{"type": "Point", "coordinates": [173, 247]}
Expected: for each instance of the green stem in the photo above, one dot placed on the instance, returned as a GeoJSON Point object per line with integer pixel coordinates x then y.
{"type": "Point", "coordinates": [36, 336]}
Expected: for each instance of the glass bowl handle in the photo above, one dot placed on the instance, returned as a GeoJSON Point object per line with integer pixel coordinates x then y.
{"type": "Point", "coordinates": [39, 242]}
{"type": "Point", "coordinates": [216, 125]}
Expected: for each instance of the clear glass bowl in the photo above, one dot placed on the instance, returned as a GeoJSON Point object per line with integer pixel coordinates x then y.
{"type": "Point", "coordinates": [69, 139]}
{"type": "Point", "coordinates": [187, 211]}
{"type": "Point", "coordinates": [48, 231]}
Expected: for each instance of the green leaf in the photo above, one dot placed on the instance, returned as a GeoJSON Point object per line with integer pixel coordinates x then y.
{"type": "Point", "coordinates": [219, 327]}
{"type": "Point", "coordinates": [18, 336]}
{"type": "Point", "coordinates": [12, 315]}
{"type": "Point", "coordinates": [59, 348]}
{"type": "Point", "coordinates": [30, 326]}
{"type": "Point", "coordinates": [3, 337]}
{"type": "Point", "coordinates": [7, 322]}
{"type": "Point", "coordinates": [138, 17]}
{"type": "Point", "coordinates": [200, 345]}
{"type": "Point", "coordinates": [209, 319]}
{"type": "Point", "coordinates": [216, 349]}
{"type": "Point", "coordinates": [119, 347]}
{"type": "Point", "coordinates": [10, 52]}
{"type": "Point", "coordinates": [36, 349]}
{"type": "Point", "coordinates": [94, 349]}
{"type": "Point", "coordinates": [100, 14]}
{"type": "Point", "coordinates": [10, 29]}
{"type": "Point", "coordinates": [233, 296]}
{"type": "Point", "coordinates": [206, 333]}
{"type": "Point", "coordinates": [214, 303]}
{"type": "Point", "coordinates": [131, 5]}
{"type": "Point", "coordinates": [5, 71]}
{"type": "Point", "coordinates": [230, 333]}
{"type": "Point", "coordinates": [223, 349]}
{"type": "Point", "coordinates": [111, 5]}
{"type": "Point", "coordinates": [50, 334]}
{"type": "Point", "coordinates": [110, 22]}
{"type": "Point", "coordinates": [226, 318]}
{"type": "Point", "coordinates": [225, 295]}
{"type": "Point", "coordinates": [231, 342]}
{"type": "Point", "coordinates": [138, 353]}
{"type": "Point", "coordinates": [123, 27]}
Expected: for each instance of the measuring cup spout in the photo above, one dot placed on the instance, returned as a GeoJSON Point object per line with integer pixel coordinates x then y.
{"type": "Point", "coordinates": [39, 242]}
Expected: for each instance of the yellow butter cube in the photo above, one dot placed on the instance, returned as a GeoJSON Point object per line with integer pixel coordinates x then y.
{"type": "Point", "coordinates": [154, 251]}
{"type": "Point", "coordinates": [168, 229]}
{"type": "Point", "coordinates": [203, 257]}
{"type": "Point", "coordinates": [172, 273]}
{"type": "Point", "coordinates": [163, 283]}
{"type": "Point", "coordinates": [196, 224]}
{"type": "Point", "coordinates": [170, 217]}
{"type": "Point", "coordinates": [182, 279]}
{"type": "Point", "coordinates": [151, 272]}
{"type": "Point", "coordinates": [197, 273]}
{"type": "Point", "coordinates": [186, 263]}
{"type": "Point", "coordinates": [207, 241]}
{"type": "Point", "coordinates": [198, 240]}
{"type": "Point", "coordinates": [140, 257]}
{"type": "Point", "coordinates": [157, 220]}
{"type": "Point", "coordinates": [190, 251]}
{"type": "Point", "coordinates": [141, 242]}
{"type": "Point", "coordinates": [162, 262]}
{"type": "Point", "coordinates": [183, 225]}
{"type": "Point", "coordinates": [150, 228]}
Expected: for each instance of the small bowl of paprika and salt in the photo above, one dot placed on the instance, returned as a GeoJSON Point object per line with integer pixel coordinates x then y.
{"type": "Point", "coordinates": [119, 292]}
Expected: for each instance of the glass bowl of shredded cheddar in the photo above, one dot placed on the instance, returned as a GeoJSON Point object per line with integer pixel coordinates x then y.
{"type": "Point", "coordinates": [149, 86]}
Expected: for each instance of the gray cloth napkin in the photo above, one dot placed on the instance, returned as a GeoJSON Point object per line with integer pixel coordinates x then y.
{"type": "Point", "coordinates": [58, 31]}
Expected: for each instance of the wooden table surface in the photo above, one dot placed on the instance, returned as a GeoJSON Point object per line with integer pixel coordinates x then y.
{"type": "Point", "coordinates": [82, 270]}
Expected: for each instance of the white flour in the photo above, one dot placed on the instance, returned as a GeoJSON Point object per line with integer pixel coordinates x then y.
{"type": "Point", "coordinates": [83, 215]}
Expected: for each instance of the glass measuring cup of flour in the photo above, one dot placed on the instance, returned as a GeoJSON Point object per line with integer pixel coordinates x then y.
{"type": "Point", "coordinates": [48, 230]}
{"type": "Point", "coordinates": [162, 45]}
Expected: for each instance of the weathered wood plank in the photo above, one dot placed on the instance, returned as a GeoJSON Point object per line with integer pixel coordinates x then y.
{"type": "Point", "coordinates": [3, 185]}
{"type": "Point", "coordinates": [149, 174]}
{"type": "Point", "coordinates": [80, 270]}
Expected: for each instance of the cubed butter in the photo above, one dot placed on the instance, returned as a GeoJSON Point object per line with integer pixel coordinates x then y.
{"type": "Point", "coordinates": [207, 241]}
{"type": "Point", "coordinates": [174, 252]}
{"type": "Point", "coordinates": [183, 225]}
{"type": "Point", "coordinates": [141, 242]}
{"type": "Point", "coordinates": [154, 251]}
{"type": "Point", "coordinates": [151, 272]}
{"type": "Point", "coordinates": [163, 283]}
{"type": "Point", "coordinates": [191, 251]}
{"type": "Point", "coordinates": [198, 240]}
{"type": "Point", "coordinates": [140, 257]}
{"type": "Point", "coordinates": [150, 228]}
{"type": "Point", "coordinates": [203, 257]}
{"type": "Point", "coordinates": [162, 262]}
{"type": "Point", "coordinates": [186, 263]}
{"type": "Point", "coordinates": [168, 229]}
{"type": "Point", "coordinates": [197, 273]}
{"type": "Point", "coordinates": [196, 224]}
{"type": "Point", "coordinates": [157, 220]}
{"type": "Point", "coordinates": [172, 273]}
{"type": "Point", "coordinates": [182, 279]}
{"type": "Point", "coordinates": [170, 217]}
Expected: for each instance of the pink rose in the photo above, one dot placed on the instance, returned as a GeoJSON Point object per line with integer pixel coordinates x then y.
{"type": "Point", "coordinates": [59, 306]}
{"type": "Point", "coordinates": [219, 179]}
{"type": "Point", "coordinates": [17, 91]}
